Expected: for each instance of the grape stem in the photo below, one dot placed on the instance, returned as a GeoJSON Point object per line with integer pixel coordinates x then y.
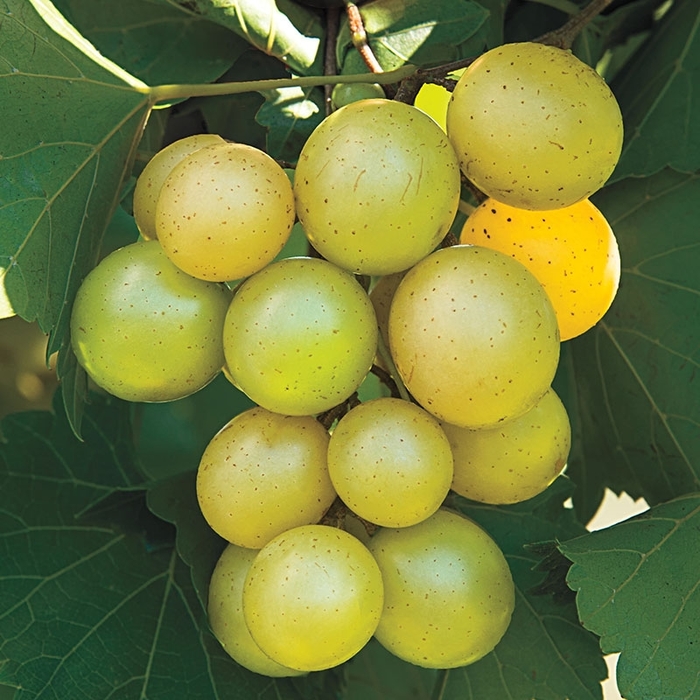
{"type": "Point", "coordinates": [566, 34]}
{"type": "Point", "coordinates": [330, 66]}
{"type": "Point", "coordinates": [359, 37]}
{"type": "Point", "coordinates": [169, 93]}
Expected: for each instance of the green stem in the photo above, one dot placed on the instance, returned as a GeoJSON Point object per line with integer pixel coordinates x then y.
{"type": "Point", "coordinates": [168, 93]}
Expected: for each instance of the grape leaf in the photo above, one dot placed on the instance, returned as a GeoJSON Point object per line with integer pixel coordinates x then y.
{"type": "Point", "coordinates": [630, 383]}
{"type": "Point", "coordinates": [638, 587]}
{"type": "Point", "coordinates": [545, 653]}
{"type": "Point", "coordinates": [90, 608]}
{"type": "Point", "coordinates": [658, 94]}
{"type": "Point", "coordinates": [281, 28]}
{"type": "Point", "coordinates": [411, 31]}
{"type": "Point", "coordinates": [72, 121]}
{"type": "Point", "coordinates": [155, 43]}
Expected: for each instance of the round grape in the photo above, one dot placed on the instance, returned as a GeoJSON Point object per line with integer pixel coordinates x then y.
{"type": "Point", "coordinates": [474, 336]}
{"type": "Point", "coordinates": [534, 127]}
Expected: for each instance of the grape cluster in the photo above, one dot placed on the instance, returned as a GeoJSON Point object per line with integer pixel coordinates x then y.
{"type": "Point", "coordinates": [466, 336]}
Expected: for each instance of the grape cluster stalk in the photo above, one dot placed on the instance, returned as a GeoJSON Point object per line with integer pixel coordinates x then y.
{"type": "Point", "coordinates": [334, 509]}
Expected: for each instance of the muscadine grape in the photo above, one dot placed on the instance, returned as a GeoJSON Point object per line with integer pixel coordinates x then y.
{"type": "Point", "coordinates": [313, 597]}
{"type": "Point", "coordinates": [300, 336]}
{"type": "Point", "coordinates": [572, 251]}
{"type": "Point", "coordinates": [534, 127]}
{"type": "Point", "coordinates": [225, 611]}
{"type": "Point", "coordinates": [377, 186]}
{"type": "Point", "coordinates": [144, 330]}
{"type": "Point", "coordinates": [262, 474]}
{"type": "Point", "coordinates": [473, 336]}
{"type": "Point", "coordinates": [345, 93]}
{"type": "Point", "coordinates": [448, 591]}
{"type": "Point", "coordinates": [153, 176]}
{"type": "Point", "coordinates": [390, 462]}
{"type": "Point", "coordinates": [381, 297]}
{"type": "Point", "coordinates": [224, 212]}
{"type": "Point", "coordinates": [514, 461]}
{"type": "Point", "coordinates": [433, 100]}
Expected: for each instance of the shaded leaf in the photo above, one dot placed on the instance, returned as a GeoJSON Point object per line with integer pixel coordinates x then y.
{"type": "Point", "coordinates": [156, 43]}
{"type": "Point", "coordinates": [90, 608]}
{"type": "Point", "coordinates": [659, 94]}
{"type": "Point", "coordinates": [412, 31]}
{"type": "Point", "coordinates": [545, 653]}
{"type": "Point", "coordinates": [281, 28]}
{"type": "Point", "coordinates": [638, 587]}
{"type": "Point", "coordinates": [630, 383]}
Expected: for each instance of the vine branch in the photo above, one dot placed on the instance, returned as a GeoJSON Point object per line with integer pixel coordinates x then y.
{"type": "Point", "coordinates": [566, 34]}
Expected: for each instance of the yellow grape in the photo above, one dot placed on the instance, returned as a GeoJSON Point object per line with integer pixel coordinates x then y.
{"type": "Point", "coordinates": [144, 330]}
{"type": "Point", "coordinates": [448, 591]}
{"type": "Point", "coordinates": [377, 186]}
{"type": "Point", "coordinates": [224, 212]}
{"type": "Point", "coordinates": [390, 462]}
{"type": "Point", "coordinates": [300, 336]}
{"type": "Point", "coordinates": [534, 127]}
{"type": "Point", "coordinates": [572, 251]}
{"type": "Point", "coordinates": [225, 612]}
{"type": "Point", "coordinates": [473, 336]}
{"type": "Point", "coordinates": [433, 100]}
{"type": "Point", "coordinates": [313, 597]}
{"type": "Point", "coordinates": [514, 461]}
{"type": "Point", "coordinates": [262, 474]}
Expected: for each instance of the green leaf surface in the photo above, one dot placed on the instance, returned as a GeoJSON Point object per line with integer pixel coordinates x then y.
{"type": "Point", "coordinates": [630, 384]}
{"type": "Point", "coordinates": [412, 31]}
{"type": "Point", "coordinates": [638, 587]}
{"type": "Point", "coordinates": [281, 28]}
{"type": "Point", "coordinates": [156, 43]}
{"type": "Point", "coordinates": [659, 94]}
{"type": "Point", "coordinates": [90, 608]}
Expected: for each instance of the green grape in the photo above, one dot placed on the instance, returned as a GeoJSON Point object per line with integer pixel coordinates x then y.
{"type": "Point", "coordinates": [381, 297]}
{"type": "Point", "coordinates": [572, 251]}
{"type": "Point", "coordinates": [474, 336]}
{"type": "Point", "coordinates": [514, 461]}
{"type": "Point", "coordinates": [534, 127]}
{"type": "Point", "coordinates": [300, 336]}
{"type": "Point", "coordinates": [377, 186]}
{"type": "Point", "coordinates": [433, 99]}
{"type": "Point", "coordinates": [153, 176]}
{"type": "Point", "coordinates": [224, 212]}
{"type": "Point", "coordinates": [448, 591]}
{"type": "Point", "coordinates": [225, 611]}
{"type": "Point", "coordinates": [313, 597]}
{"type": "Point", "coordinates": [144, 330]}
{"type": "Point", "coordinates": [346, 93]}
{"type": "Point", "coordinates": [390, 462]}
{"type": "Point", "coordinates": [264, 473]}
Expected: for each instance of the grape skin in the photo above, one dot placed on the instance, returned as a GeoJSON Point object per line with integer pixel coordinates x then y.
{"type": "Point", "coordinates": [534, 127]}
{"type": "Point", "coordinates": [313, 597]}
{"type": "Point", "coordinates": [300, 336]}
{"type": "Point", "coordinates": [264, 473]}
{"type": "Point", "coordinates": [448, 591]}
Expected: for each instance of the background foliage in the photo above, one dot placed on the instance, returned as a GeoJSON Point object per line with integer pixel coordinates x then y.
{"type": "Point", "coordinates": [104, 557]}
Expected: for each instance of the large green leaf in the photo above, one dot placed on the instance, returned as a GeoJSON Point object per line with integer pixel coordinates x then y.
{"type": "Point", "coordinates": [95, 602]}
{"type": "Point", "coordinates": [659, 94]}
{"type": "Point", "coordinates": [638, 587]}
{"type": "Point", "coordinates": [630, 383]}
{"type": "Point", "coordinates": [412, 31]}
{"type": "Point", "coordinates": [281, 28]}
{"type": "Point", "coordinates": [155, 43]}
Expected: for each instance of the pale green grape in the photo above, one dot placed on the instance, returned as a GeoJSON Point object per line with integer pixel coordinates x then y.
{"type": "Point", "coordinates": [313, 597]}
{"type": "Point", "coordinates": [224, 212]}
{"type": "Point", "coordinates": [300, 336]}
{"type": "Point", "coordinates": [153, 176]}
{"type": "Point", "coordinates": [474, 336]}
{"type": "Point", "coordinates": [390, 462]}
{"type": "Point", "coordinates": [448, 591]}
{"type": "Point", "coordinates": [262, 474]}
{"type": "Point", "coordinates": [346, 93]}
{"type": "Point", "coordinates": [534, 127]}
{"type": "Point", "coordinates": [433, 99]}
{"type": "Point", "coordinates": [377, 186]}
{"type": "Point", "coordinates": [146, 331]}
{"type": "Point", "coordinates": [517, 459]}
{"type": "Point", "coordinates": [225, 611]}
